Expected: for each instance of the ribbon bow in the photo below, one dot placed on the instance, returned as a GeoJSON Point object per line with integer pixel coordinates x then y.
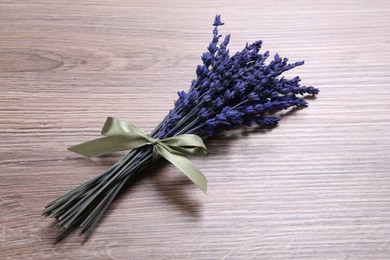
{"type": "Point", "coordinates": [120, 136]}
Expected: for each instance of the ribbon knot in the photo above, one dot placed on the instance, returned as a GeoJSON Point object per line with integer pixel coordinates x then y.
{"type": "Point", "coordinates": [120, 136]}
{"type": "Point", "coordinates": [154, 141]}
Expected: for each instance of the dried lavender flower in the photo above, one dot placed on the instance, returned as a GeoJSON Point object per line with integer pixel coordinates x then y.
{"type": "Point", "coordinates": [228, 92]}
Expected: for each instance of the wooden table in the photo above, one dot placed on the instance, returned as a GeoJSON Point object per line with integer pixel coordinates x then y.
{"type": "Point", "coordinates": [317, 186]}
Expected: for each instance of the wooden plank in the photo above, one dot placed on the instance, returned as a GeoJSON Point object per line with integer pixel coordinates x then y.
{"type": "Point", "coordinates": [316, 187]}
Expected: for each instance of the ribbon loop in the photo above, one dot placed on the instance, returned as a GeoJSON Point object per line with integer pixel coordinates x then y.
{"type": "Point", "coordinates": [120, 135]}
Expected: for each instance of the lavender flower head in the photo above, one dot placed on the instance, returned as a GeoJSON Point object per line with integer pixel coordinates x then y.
{"type": "Point", "coordinates": [234, 91]}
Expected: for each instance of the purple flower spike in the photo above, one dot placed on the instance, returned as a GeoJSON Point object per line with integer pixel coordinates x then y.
{"type": "Point", "coordinates": [217, 21]}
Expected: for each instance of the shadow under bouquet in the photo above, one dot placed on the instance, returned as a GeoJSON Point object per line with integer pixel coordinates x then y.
{"type": "Point", "coordinates": [229, 92]}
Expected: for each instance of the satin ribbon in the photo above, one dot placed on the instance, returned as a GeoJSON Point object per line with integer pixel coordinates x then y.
{"type": "Point", "coordinates": [120, 136]}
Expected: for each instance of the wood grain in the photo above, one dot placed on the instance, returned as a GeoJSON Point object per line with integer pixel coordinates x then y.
{"type": "Point", "coordinates": [316, 187]}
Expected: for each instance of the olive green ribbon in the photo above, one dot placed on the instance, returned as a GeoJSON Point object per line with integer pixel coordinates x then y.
{"type": "Point", "coordinates": [120, 136]}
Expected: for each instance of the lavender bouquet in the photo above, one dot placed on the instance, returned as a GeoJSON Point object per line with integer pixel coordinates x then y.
{"type": "Point", "coordinates": [228, 92]}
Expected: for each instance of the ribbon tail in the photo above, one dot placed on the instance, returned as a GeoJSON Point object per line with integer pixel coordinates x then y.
{"type": "Point", "coordinates": [103, 145]}
{"type": "Point", "coordinates": [185, 166]}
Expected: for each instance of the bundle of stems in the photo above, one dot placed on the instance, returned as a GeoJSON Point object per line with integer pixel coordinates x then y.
{"type": "Point", "coordinates": [228, 92]}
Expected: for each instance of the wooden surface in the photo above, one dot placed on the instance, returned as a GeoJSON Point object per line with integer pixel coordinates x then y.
{"type": "Point", "coordinates": [316, 187]}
